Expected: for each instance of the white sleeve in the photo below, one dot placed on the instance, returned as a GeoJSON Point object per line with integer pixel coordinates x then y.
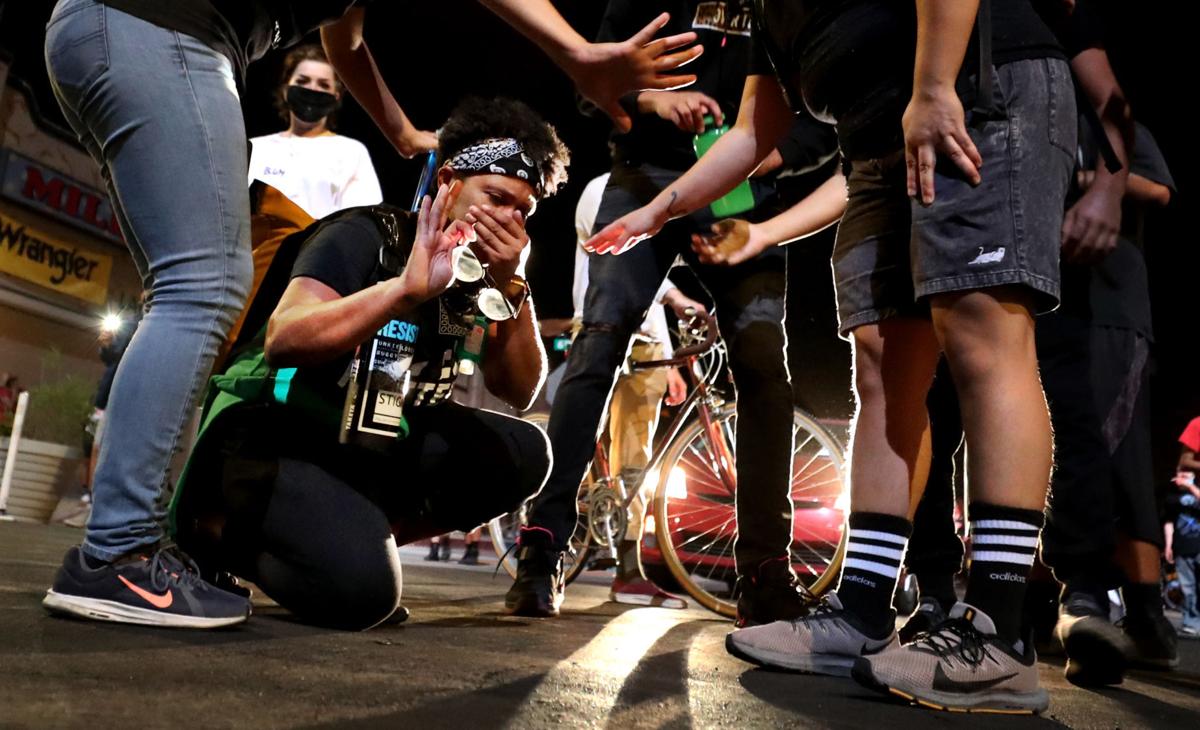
{"type": "Point", "coordinates": [363, 186]}
{"type": "Point", "coordinates": [258, 152]}
{"type": "Point", "coordinates": [667, 286]}
{"type": "Point", "coordinates": [585, 220]}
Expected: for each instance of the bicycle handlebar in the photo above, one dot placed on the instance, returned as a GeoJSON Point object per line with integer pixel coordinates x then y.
{"type": "Point", "coordinates": [683, 354]}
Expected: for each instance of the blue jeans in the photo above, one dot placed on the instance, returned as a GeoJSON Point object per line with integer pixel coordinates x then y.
{"type": "Point", "coordinates": [159, 112]}
{"type": "Point", "coordinates": [1185, 568]}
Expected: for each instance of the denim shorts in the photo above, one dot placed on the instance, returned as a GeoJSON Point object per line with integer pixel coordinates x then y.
{"type": "Point", "coordinates": [893, 253]}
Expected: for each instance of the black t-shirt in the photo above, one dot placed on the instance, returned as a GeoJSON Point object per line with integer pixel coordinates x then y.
{"type": "Point", "coordinates": [723, 28]}
{"type": "Point", "coordinates": [1116, 291]}
{"type": "Point", "coordinates": [850, 62]}
{"type": "Point", "coordinates": [1077, 30]}
{"type": "Point", "coordinates": [342, 252]}
{"type": "Point", "coordinates": [243, 30]}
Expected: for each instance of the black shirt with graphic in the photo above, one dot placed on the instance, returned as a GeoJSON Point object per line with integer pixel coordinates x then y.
{"type": "Point", "coordinates": [723, 29]}
{"type": "Point", "coordinates": [850, 62]}
{"type": "Point", "coordinates": [343, 253]}
{"type": "Point", "coordinates": [243, 30]}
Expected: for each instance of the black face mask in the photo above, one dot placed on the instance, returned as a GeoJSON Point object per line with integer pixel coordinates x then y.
{"type": "Point", "coordinates": [309, 105]}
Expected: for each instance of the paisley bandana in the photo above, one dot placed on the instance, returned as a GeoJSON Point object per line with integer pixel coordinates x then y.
{"type": "Point", "coordinates": [499, 157]}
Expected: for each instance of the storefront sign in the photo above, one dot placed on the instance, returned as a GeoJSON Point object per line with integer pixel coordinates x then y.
{"type": "Point", "coordinates": [29, 254]}
{"type": "Point", "coordinates": [33, 184]}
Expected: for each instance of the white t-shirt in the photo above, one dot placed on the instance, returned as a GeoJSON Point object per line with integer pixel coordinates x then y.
{"type": "Point", "coordinates": [655, 325]}
{"type": "Point", "coordinates": [320, 174]}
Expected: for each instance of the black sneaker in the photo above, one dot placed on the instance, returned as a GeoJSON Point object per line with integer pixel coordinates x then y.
{"type": "Point", "coordinates": [160, 588]}
{"type": "Point", "coordinates": [1154, 642]}
{"type": "Point", "coordinates": [1097, 652]}
{"type": "Point", "coordinates": [433, 551]}
{"type": "Point", "coordinates": [538, 589]}
{"type": "Point", "coordinates": [928, 615]}
{"type": "Point", "coordinates": [772, 593]}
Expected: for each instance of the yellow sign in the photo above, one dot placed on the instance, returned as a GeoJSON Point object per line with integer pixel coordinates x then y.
{"type": "Point", "coordinates": [35, 257]}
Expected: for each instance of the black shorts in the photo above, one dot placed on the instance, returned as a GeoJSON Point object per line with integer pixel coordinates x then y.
{"type": "Point", "coordinates": [892, 253]}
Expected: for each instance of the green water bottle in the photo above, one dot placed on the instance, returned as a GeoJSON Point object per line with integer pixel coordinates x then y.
{"type": "Point", "coordinates": [741, 198]}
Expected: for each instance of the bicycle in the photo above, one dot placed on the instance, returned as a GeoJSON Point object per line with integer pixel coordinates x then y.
{"type": "Point", "coordinates": [695, 479]}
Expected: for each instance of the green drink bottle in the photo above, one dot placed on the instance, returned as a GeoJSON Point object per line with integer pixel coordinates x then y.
{"type": "Point", "coordinates": [741, 198]}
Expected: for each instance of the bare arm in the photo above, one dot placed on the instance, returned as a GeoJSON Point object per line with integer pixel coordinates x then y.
{"type": "Point", "coordinates": [1146, 191]}
{"type": "Point", "coordinates": [1188, 461]}
{"type": "Point", "coordinates": [351, 59]}
{"type": "Point", "coordinates": [934, 122]}
{"type": "Point", "coordinates": [313, 324]}
{"type": "Point", "coordinates": [602, 71]}
{"type": "Point", "coordinates": [763, 119]}
{"type": "Point", "coordinates": [734, 241]}
{"type": "Point", "coordinates": [514, 362]}
{"type": "Point", "coordinates": [1093, 223]}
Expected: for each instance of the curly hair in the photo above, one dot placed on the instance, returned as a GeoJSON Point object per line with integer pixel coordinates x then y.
{"type": "Point", "coordinates": [475, 120]}
{"type": "Point", "coordinates": [295, 57]}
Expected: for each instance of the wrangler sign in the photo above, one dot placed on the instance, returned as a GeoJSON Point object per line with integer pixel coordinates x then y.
{"type": "Point", "coordinates": [37, 258]}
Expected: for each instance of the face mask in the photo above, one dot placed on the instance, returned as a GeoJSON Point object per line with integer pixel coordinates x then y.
{"type": "Point", "coordinates": [309, 105]}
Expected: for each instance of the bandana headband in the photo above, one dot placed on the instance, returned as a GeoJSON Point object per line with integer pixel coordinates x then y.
{"type": "Point", "coordinates": [500, 157]}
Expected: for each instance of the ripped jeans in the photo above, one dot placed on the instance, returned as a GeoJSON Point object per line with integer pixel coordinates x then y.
{"type": "Point", "coordinates": [750, 307]}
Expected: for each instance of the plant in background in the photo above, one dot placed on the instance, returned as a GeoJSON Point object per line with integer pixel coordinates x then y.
{"type": "Point", "coordinates": [59, 406]}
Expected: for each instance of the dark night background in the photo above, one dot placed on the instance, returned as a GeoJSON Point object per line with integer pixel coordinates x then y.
{"type": "Point", "coordinates": [435, 53]}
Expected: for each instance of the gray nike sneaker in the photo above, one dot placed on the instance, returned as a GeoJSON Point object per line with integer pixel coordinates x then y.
{"type": "Point", "coordinates": [826, 641]}
{"type": "Point", "coordinates": [962, 665]}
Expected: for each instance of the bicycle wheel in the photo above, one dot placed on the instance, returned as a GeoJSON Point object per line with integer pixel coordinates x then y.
{"type": "Point", "coordinates": [505, 529]}
{"type": "Point", "coordinates": [696, 520]}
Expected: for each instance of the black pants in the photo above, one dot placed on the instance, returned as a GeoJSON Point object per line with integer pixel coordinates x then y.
{"type": "Point", "coordinates": [274, 499]}
{"type": "Point", "coordinates": [1096, 380]}
{"type": "Point", "coordinates": [750, 305]}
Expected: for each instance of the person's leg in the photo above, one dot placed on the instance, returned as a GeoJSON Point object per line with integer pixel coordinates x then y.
{"type": "Point", "coordinates": [751, 306]}
{"type": "Point", "coordinates": [111, 73]}
{"type": "Point", "coordinates": [1185, 567]}
{"type": "Point", "coordinates": [985, 258]}
{"type": "Point", "coordinates": [325, 551]}
{"type": "Point", "coordinates": [194, 256]}
{"type": "Point", "coordinates": [988, 337]}
{"type": "Point", "coordinates": [935, 552]}
{"type": "Point", "coordinates": [620, 290]}
{"type": "Point", "coordinates": [894, 362]}
{"type": "Point", "coordinates": [469, 466]}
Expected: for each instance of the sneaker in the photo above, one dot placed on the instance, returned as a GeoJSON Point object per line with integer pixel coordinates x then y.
{"type": "Point", "coordinates": [638, 591]}
{"type": "Point", "coordinates": [399, 616]}
{"type": "Point", "coordinates": [433, 552]}
{"type": "Point", "coordinates": [1153, 642]}
{"type": "Point", "coordinates": [538, 588]}
{"type": "Point", "coordinates": [161, 588]}
{"type": "Point", "coordinates": [1189, 632]}
{"type": "Point", "coordinates": [961, 665]}
{"type": "Point", "coordinates": [828, 640]}
{"type": "Point", "coordinates": [772, 593]}
{"type": "Point", "coordinates": [1097, 652]}
{"type": "Point", "coordinates": [928, 615]}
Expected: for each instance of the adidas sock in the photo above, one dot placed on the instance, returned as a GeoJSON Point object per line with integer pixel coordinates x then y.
{"type": "Point", "coordinates": [874, 553]}
{"type": "Point", "coordinates": [1004, 543]}
{"type": "Point", "coordinates": [939, 586]}
{"type": "Point", "coordinates": [1143, 601]}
